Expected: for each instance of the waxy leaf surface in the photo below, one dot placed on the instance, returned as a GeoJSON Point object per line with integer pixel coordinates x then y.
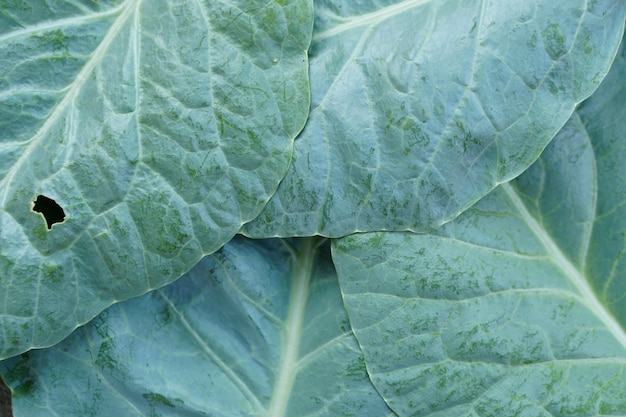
{"type": "Point", "coordinates": [256, 329]}
{"type": "Point", "coordinates": [518, 306]}
{"type": "Point", "coordinates": [420, 108]}
{"type": "Point", "coordinates": [158, 127]}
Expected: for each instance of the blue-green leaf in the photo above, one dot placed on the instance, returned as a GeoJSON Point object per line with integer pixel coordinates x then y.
{"type": "Point", "coordinates": [518, 306]}
{"type": "Point", "coordinates": [256, 329]}
{"type": "Point", "coordinates": [158, 127]}
{"type": "Point", "coordinates": [420, 108]}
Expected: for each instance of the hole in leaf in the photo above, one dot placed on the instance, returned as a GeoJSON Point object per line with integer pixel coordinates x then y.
{"type": "Point", "coordinates": [52, 212]}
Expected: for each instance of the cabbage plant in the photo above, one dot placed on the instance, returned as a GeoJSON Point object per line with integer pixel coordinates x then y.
{"type": "Point", "coordinates": [313, 208]}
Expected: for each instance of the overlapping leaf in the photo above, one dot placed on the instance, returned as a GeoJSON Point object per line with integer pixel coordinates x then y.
{"type": "Point", "coordinates": [518, 306]}
{"type": "Point", "coordinates": [159, 127]}
{"type": "Point", "coordinates": [419, 108]}
{"type": "Point", "coordinates": [257, 329]}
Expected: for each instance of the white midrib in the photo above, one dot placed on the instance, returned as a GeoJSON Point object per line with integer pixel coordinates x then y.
{"type": "Point", "coordinates": [293, 328]}
{"type": "Point", "coordinates": [71, 94]}
{"type": "Point", "coordinates": [370, 18]}
{"type": "Point", "coordinates": [577, 278]}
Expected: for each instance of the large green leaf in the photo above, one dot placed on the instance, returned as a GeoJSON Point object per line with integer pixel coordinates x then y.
{"type": "Point", "coordinates": [257, 329]}
{"type": "Point", "coordinates": [420, 108]}
{"type": "Point", "coordinates": [518, 306]}
{"type": "Point", "coordinates": [159, 127]}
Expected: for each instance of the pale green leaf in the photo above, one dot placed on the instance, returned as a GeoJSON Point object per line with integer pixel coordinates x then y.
{"type": "Point", "coordinates": [420, 108]}
{"type": "Point", "coordinates": [159, 127]}
{"type": "Point", "coordinates": [517, 307]}
{"type": "Point", "coordinates": [256, 329]}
